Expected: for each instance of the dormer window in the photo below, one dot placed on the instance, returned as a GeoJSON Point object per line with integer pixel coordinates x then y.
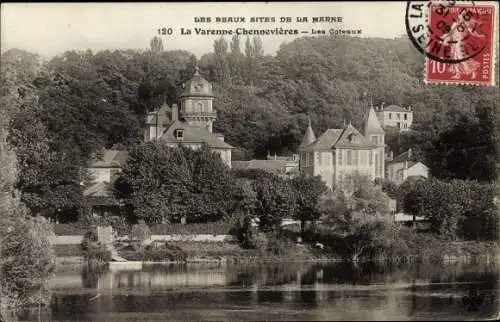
{"type": "Point", "coordinates": [198, 87]}
{"type": "Point", "coordinates": [179, 134]}
{"type": "Point", "coordinates": [353, 138]}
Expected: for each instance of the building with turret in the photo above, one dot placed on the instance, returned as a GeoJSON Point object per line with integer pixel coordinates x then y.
{"type": "Point", "coordinates": [340, 152]}
{"type": "Point", "coordinates": [190, 125]}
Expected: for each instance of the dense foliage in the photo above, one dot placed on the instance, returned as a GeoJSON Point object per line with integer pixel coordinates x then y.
{"type": "Point", "coordinates": [456, 209]}
{"type": "Point", "coordinates": [164, 184]}
{"type": "Point", "coordinates": [66, 110]}
{"type": "Point", "coordinates": [26, 255]}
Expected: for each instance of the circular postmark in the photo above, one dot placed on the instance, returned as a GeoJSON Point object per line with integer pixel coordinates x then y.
{"type": "Point", "coordinates": [446, 31]}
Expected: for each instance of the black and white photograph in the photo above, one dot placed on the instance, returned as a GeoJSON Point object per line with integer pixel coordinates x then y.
{"type": "Point", "coordinates": [237, 161]}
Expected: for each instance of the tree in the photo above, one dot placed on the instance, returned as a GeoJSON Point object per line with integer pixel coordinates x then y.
{"type": "Point", "coordinates": [307, 191]}
{"type": "Point", "coordinates": [156, 45]}
{"type": "Point", "coordinates": [222, 69]}
{"type": "Point", "coordinates": [26, 255]}
{"type": "Point", "coordinates": [244, 198]}
{"type": "Point", "coordinates": [156, 182]}
{"type": "Point", "coordinates": [275, 201]}
{"type": "Point", "coordinates": [211, 185]}
{"type": "Point", "coordinates": [175, 184]}
{"type": "Point", "coordinates": [357, 216]}
{"type": "Point", "coordinates": [365, 197]}
{"type": "Point", "coordinates": [456, 208]}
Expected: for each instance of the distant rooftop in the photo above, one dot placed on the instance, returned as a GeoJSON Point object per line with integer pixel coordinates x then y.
{"type": "Point", "coordinates": [111, 159]}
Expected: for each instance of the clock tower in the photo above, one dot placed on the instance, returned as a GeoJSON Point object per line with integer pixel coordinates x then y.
{"type": "Point", "coordinates": [197, 102]}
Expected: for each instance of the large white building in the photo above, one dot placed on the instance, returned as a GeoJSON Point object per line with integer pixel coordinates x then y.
{"type": "Point", "coordinates": [395, 116]}
{"type": "Point", "coordinates": [340, 152]}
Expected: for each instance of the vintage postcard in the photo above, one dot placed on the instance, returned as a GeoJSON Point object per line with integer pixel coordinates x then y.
{"type": "Point", "coordinates": [249, 161]}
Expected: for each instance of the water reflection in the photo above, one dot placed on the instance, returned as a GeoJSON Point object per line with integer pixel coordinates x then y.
{"type": "Point", "coordinates": [298, 291]}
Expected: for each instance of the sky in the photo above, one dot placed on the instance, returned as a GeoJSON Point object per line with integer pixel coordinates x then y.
{"type": "Point", "coordinates": [49, 29]}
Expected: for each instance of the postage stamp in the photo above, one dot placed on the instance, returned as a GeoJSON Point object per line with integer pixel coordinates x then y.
{"type": "Point", "coordinates": [458, 40]}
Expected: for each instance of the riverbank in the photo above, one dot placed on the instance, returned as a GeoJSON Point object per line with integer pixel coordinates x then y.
{"type": "Point", "coordinates": [232, 253]}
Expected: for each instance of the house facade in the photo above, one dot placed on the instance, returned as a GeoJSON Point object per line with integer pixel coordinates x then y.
{"type": "Point", "coordinates": [104, 172]}
{"type": "Point", "coordinates": [340, 152]}
{"type": "Point", "coordinates": [405, 166]}
{"type": "Point", "coordinates": [190, 125]}
{"type": "Point", "coordinates": [395, 116]}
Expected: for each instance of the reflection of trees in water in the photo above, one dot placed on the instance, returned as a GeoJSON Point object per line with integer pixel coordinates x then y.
{"type": "Point", "coordinates": [91, 275]}
{"type": "Point", "coordinates": [63, 307]}
{"type": "Point", "coordinates": [265, 274]}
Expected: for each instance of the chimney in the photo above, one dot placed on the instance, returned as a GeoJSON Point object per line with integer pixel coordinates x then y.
{"type": "Point", "coordinates": [382, 105]}
{"type": "Point", "coordinates": [275, 157]}
{"type": "Point", "coordinates": [406, 164]}
{"type": "Point", "coordinates": [409, 153]}
{"type": "Point", "coordinates": [175, 113]}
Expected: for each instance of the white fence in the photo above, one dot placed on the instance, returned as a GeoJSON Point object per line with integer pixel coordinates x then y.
{"type": "Point", "coordinates": [74, 240]}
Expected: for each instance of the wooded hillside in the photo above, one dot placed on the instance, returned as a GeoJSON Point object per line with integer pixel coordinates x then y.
{"type": "Point", "coordinates": [87, 101]}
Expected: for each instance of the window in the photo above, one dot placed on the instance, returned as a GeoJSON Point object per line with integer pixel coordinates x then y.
{"type": "Point", "coordinates": [375, 139]}
{"type": "Point", "coordinates": [326, 160]}
{"type": "Point", "coordinates": [353, 138]}
{"type": "Point", "coordinates": [370, 157]}
{"type": "Point", "coordinates": [355, 157]}
{"type": "Point", "coordinates": [363, 157]}
{"type": "Point", "coordinates": [179, 134]}
{"type": "Point", "coordinates": [349, 157]}
{"type": "Point", "coordinates": [341, 152]}
{"type": "Point", "coordinates": [199, 107]}
{"type": "Point", "coordinates": [399, 116]}
{"type": "Point", "coordinates": [405, 117]}
{"type": "Point", "coordinates": [319, 157]}
{"type": "Point", "coordinates": [399, 125]}
{"type": "Point", "coordinates": [390, 116]}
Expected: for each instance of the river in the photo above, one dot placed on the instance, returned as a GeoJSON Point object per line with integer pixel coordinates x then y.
{"type": "Point", "coordinates": [284, 291]}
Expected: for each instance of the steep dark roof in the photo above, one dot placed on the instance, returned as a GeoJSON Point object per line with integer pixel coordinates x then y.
{"type": "Point", "coordinates": [372, 123]}
{"type": "Point", "coordinates": [344, 141]}
{"type": "Point", "coordinates": [193, 134]}
{"type": "Point", "coordinates": [309, 137]}
{"type": "Point", "coordinates": [111, 159]}
{"type": "Point", "coordinates": [99, 189]}
{"type": "Point", "coordinates": [326, 140]}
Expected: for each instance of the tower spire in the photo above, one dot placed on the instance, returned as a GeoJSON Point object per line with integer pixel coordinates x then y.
{"type": "Point", "coordinates": [197, 70]}
{"type": "Point", "coordinates": [309, 136]}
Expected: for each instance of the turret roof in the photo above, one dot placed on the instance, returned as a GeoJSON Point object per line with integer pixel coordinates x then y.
{"type": "Point", "coordinates": [197, 86]}
{"type": "Point", "coordinates": [309, 136]}
{"type": "Point", "coordinates": [372, 123]}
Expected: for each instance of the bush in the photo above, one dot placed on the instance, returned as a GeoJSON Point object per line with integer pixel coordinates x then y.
{"type": "Point", "coordinates": [28, 259]}
{"type": "Point", "coordinates": [154, 254]}
{"type": "Point", "coordinates": [215, 228]}
{"type": "Point", "coordinates": [278, 245]}
{"type": "Point", "coordinates": [140, 232]}
{"type": "Point", "coordinates": [94, 252]}
{"type": "Point", "coordinates": [72, 229]}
